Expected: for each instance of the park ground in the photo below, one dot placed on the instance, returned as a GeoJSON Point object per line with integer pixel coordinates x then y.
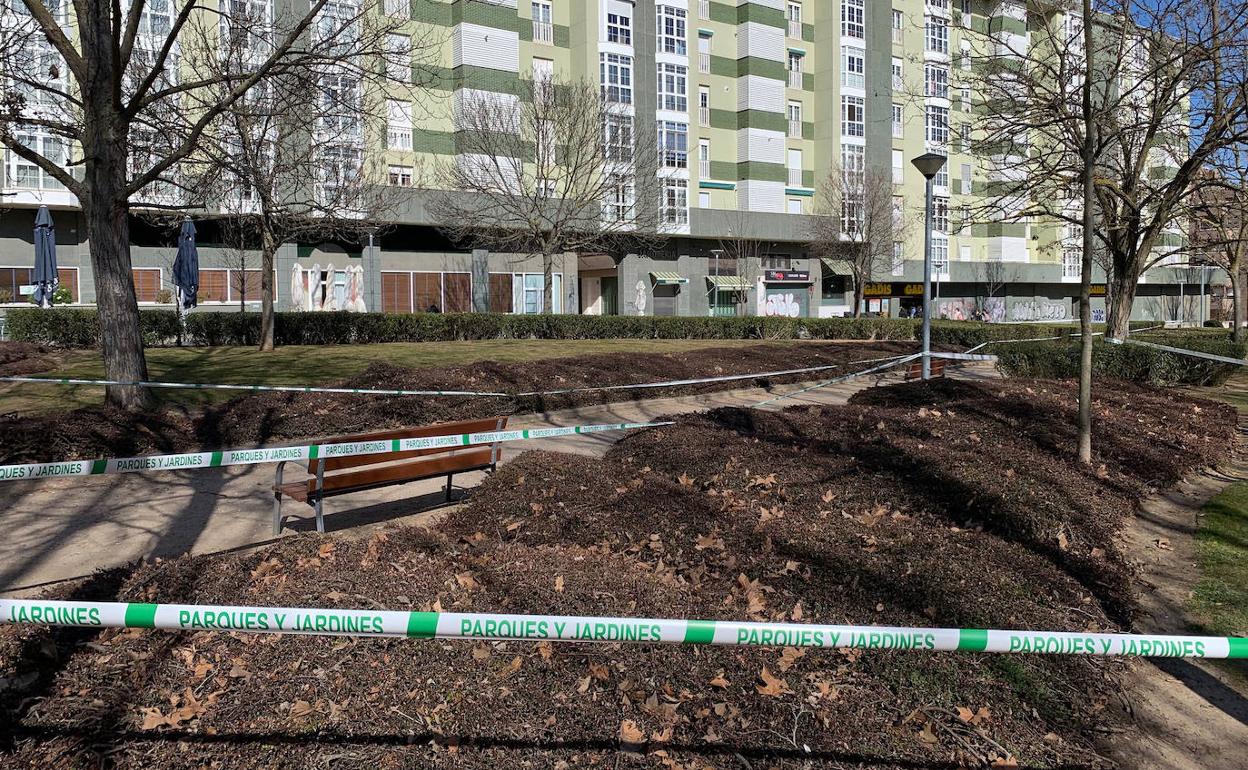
{"type": "Point", "coordinates": [825, 512]}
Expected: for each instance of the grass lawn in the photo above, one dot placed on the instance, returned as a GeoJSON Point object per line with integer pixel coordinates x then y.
{"type": "Point", "coordinates": [1219, 605]}
{"type": "Point", "coordinates": [307, 365]}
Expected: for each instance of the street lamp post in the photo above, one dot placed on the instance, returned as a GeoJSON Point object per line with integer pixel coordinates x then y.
{"type": "Point", "coordinates": [928, 164]}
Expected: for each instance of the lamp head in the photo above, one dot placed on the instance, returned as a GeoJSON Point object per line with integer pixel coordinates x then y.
{"type": "Point", "coordinates": [929, 164]}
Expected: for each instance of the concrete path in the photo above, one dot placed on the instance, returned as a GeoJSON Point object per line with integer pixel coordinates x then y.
{"type": "Point", "coordinates": [67, 528]}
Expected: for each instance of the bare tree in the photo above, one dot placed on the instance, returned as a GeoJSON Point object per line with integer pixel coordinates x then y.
{"type": "Point", "coordinates": [993, 275]}
{"type": "Point", "coordinates": [282, 177]}
{"type": "Point", "coordinates": [558, 168]}
{"type": "Point", "coordinates": [740, 254]}
{"type": "Point", "coordinates": [858, 224]}
{"type": "Point", "coordinates": [116, 108]}
{"type": "Point", "coordinates": [1219, 214]}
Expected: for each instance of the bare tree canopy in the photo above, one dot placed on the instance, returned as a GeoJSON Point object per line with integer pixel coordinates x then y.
{"type": "Point", "coordinates": [1165, 95]}
{"type": "Point", "coordinates": [857, 225]}
{"type": "Point", "coordinates": [1219, 215]}
{"type": "Point", "coordinates": [558, 167]}
{"type": "Point", "coordinates": [114, 101]}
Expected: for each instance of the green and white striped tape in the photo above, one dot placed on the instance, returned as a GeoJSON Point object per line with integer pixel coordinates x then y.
{"type": "Point", "coordinates": [227, 457]}
{"type": "Point", "coordinates": [572, 628]}
{"type": "Point", "coordinates": [1181, 351]}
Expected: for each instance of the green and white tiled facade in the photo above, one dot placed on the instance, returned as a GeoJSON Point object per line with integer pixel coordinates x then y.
{"type": "Point", "coordinates": [754, 100]}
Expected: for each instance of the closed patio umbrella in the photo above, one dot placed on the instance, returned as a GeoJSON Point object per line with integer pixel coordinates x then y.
{"type": "Point", "coordinates": [186, 267]}
{"type": "Point", "coordinates": [298, 287]}
{"type": "Point", "coordinates": [314, 287]}
{"type": "Point", "coordinates": [45, 278]}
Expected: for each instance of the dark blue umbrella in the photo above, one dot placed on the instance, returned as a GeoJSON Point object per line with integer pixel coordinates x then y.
{"type": "Point", "coordinates": [45, 279]}
{"type": "Point", "coordinates": [186, 267]}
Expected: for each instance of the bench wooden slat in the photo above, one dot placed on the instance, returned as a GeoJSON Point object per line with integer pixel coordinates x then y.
{"type": "Point", "coordinates": [460, 462]}
{"type": "Point", "coordinates": [443, 429]}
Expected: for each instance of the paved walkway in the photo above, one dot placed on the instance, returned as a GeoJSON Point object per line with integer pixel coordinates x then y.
{"type": "Point", "coordinates": [66, 528]}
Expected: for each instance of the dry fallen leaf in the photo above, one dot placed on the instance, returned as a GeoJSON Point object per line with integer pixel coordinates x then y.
{"type": "Point", "coordinates": [631, 734]}
{"type": "Point", "coordinates": [789, 656]}
{"type": "Point", "coordinates": [1062, 541]}
{"type": "Point", "coordinates": [1162, 543]}
{"type": "Point", "coordinates": [301, 709]}
{"type": "Point", "coordinates": [719, 681]}
{"type": "Point", "coordinates": [773, 685]}
{"type": "Point", "coordinates": [559, 584]}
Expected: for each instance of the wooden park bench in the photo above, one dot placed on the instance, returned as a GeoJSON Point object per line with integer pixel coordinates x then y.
{"type": "Point", "coordinates": [915, 370]}
{"type": "Point", "coordinates": [344, 475]}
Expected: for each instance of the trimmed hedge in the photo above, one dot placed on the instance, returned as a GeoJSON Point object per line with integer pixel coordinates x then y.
{"type": "Point", "coordinates": [79, 328]}
{"type": "Point", "coordinates": [1135, 363]}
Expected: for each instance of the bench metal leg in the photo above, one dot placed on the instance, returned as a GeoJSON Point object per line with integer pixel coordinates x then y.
{"type": "Point", "coordinates": [320, 520]}
{"type": "Point", "coordinates": [448, 486]}
{"type": "Point", "coordinates": [277, 513]}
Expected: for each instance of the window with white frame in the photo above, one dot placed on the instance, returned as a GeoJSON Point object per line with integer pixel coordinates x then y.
{"type": "Point", "coordinates": [704, 158]}
{"type": "Point", "coordinates": [1072, 263]}
{"type": "Point", "coordinates": [899, 259]}
{"type": "Point", "coordinates": [964, 60]}
{"type": "Point", "coordinates": [704, 53]}
{"type": "Point", "coordinates": [543, 22]}
{"type": "Point", "coordinates": [704, 9]}
{"type": "Point", "coordinates": [619, 29]}
{"type": "Point", "coordinates": [936, 80]}
{"type": "Point", "coordinates": [795, 69]}
{"type": "Point", "coordinates": [616, 77]}
{"type": "Point", "coordinates": [400, 176]}
{"type": "Point", "coordinates": [936, 39]}
{"type": "Point", "coordinates": [852, 19]}
{"type": "Point", "coordinates": [899, 121]}
{"type": "Point", "coordinates": [399, 58]}
{"type": "Point", "coordinates": [673, 87]}
{"type": "Point", "coordinates": [795, 20]}
{"type": "Point", "coordinates": [853, 173]}
{"type": "Point", "coordinates": [795, 168]}
{"type": "Point", "coordinates": [898, 74]}
{"type": "Point", "coordinates": [704, 105]}
{"type": "Point", "coordinates": [620, 198]}
{"type": "Point", "coordinates": [340, 109]}
{"type": "Point", "coordinates": [853, 116]}
{"type": "Point", "coordinates": [965, 98]}
{"type": "Point", "coordinates": [795, 120]}
{"type": "Point", "coordinates": [398, 125]}
{"type": "Point", "coordinates": [672, 29]}
{"type": "Point", "coordinates": [673, 144]}
{"type": "Point", "coordinates": [22, 173]}
{"type": "Point", "coordinates": [675, 209]}
{"type": "Point", "coordinates": [967, 183]}
{"type": "Point", "coordinates": [941, 180]}
{"type": "Point", "coordinates": [618, 137]}
{"type": "Point", "coordinates": [898, 210]}
{"type": "Point", "coordinates": [853, 65]}
{"type": "Point", "coordinates": [940, 5]}
{"type": "Point", "coordinates": [899, 24]}
{"type": "Point", "coordinates": [940, 214]}
{"type": "Point", "coordinates": [399, 9]}
{"type": "Point", "coordinates": [899, 167]}
{"type": "Point", "coordinates": [543, 80]}
{"type": "Point", "coordinates": [940, 254]}
{"type": "Point", "coordinates": [795, 206]}
{"type": "Point", "coordinates": [704, 200]}
{"type": "Point", "coordinates": [966, 12]}
{"type": "Point", "coordinates": [937, 124]}
{"type": "Point", "coordinates": [964, 137]}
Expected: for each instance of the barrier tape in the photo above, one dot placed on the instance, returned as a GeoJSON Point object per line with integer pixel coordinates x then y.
{"type": "Point", "coordinates": [888, 364]}
{"type": "Point", "coordinates": [227, 457]}
{"type": "Point", "coordinates": [572, 628]}
{"type": "Point", "coordinates": [1182, 351]}
{"type": "Point", "coordinates": [398, 392]}
{"type": "Point", "coordinates": [258, 388]}
{"type": "Point", "coordinates": [964, 356]}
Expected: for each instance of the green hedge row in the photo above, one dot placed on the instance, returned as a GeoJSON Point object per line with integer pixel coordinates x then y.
{"type": "Point", "coordinates": [79, 328]}
{"type": "Point", "coordinates": [1135, 363]}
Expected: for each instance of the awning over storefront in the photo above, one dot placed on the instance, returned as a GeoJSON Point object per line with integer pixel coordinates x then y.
{"type": "Point", "coordinates": [668, 279]}
{"type": "Point", "coordinates": [729, 283]}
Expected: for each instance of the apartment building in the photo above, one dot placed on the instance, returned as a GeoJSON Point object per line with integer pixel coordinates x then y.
{"type": "Point", "coordinates": [753, 103]}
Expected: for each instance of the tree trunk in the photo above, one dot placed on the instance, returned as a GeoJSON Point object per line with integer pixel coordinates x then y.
{"type": "Point", "coordinates": [1085, 277]}
{"type": "Point", "coordinates": [858, 289]}
{"type": "Point", "coordinates": [1239, 278]}
{"type": "Point", "coordinates": [548, 283]}
{"type": "Point", "coordinates": [268, 250]}
{"type": "Point", "coordinates": [106, 209]}
{"type": "Point", "coordinates": [121, 334]}
{"type": "Point", "coordinates": [1119, 297]}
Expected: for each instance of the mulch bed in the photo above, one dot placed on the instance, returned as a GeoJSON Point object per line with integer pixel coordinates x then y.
{"type": "Point", "coordinates": [18, 359]}
{"type": "Point", "coordinates": [950, 504]}
{"type": "Point", "coordinates": [265, 417]}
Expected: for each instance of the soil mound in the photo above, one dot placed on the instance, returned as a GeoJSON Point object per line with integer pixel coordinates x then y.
{"type": "Point", "coordinates": [18, 359]}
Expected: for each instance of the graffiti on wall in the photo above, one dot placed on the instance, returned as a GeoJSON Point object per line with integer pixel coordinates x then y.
{"type": "Point", "coordinates": [955, 309]}
{"type": "Point", "coordinates": [785, 305]}
{"type": "Point", "coordinates": [1040, 310]}
{"type": "Point", "coordinates": [1098, 315]}
{"type": "Point", "coordinates": [639, 297]}
{"type": "Point", "coordinates": [994, 310]}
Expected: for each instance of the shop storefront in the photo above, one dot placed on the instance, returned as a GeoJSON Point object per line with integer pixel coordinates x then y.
{"type": "Point", "coordinates": [727, 295]}
{"type": "Point", "coordinates": [786, 293]}
{"type": "Point", "coordinates": [894, 299]}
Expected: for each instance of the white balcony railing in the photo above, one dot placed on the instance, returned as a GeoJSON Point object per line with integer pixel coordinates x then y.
{"type": "Point", "coordinates": [795, 78]}
{"type": "Point", "coordinates": [704, 169]}
{"type": "Point", "coordinates": [704, 62]}
{"type": "Point", "coordinates": [795, 29]}
{"type": "Point", "coordinates": [897, 36]}
{"type": "Point", "coordinates": [704, 9]}
{"type": "Point", "coordinates": [795, 129]}
{"type": "Point", "coordinates": [795, 177]}
{"type": "Point", "coordinates": [543, 32]}
{"type": "Point", "coordinates": [704, 116]}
